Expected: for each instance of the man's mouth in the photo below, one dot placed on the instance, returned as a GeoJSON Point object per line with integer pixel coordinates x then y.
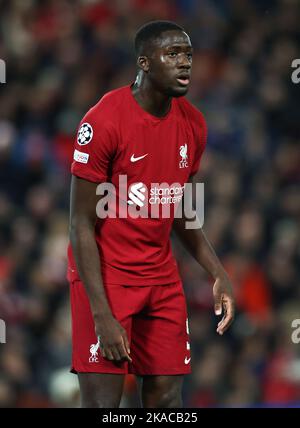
{"type": "Point", "coordinates": [184, 81]}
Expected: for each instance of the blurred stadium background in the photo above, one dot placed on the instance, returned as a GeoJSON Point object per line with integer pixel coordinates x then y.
{"type": "Point", "coordinates": [61, 57]}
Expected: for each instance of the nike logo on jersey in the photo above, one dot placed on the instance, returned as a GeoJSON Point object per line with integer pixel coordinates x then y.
{"type": "Point", "coordinates": [187, 360]}
{"type": "Point", "coordinates": [133, 159]}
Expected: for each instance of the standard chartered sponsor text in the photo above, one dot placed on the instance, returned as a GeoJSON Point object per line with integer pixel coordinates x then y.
{"type": "Point", "coordinates": [154, 200]}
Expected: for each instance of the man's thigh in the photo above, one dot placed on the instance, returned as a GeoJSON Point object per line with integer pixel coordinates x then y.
{"type": "Point", "coordinates": [100, 390]}
{"type": "Point", "coordinates": [161, 391]}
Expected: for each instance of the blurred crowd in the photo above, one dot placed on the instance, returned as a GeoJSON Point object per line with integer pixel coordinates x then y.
{"type": "Point", "coordinates": [61, 57]}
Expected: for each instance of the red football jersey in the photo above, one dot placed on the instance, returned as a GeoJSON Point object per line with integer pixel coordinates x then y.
{"type": "Point", "coordinates": [156, 156]}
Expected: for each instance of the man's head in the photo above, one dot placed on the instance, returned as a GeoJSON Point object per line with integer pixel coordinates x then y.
{"type": "Point", "coordinates": [164, 54]}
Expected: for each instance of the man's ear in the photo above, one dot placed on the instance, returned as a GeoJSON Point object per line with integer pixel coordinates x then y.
{"type": "Point", "coordinates": [143, 63]}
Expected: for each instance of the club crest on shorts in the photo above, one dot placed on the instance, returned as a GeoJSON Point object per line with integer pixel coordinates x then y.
{"type": "Point", "coordinates": [85, 134]}
{"type": "Point", "coordinates": [94, 348]}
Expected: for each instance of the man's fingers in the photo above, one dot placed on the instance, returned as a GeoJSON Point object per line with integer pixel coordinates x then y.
{"type": "Point", "coordinates": [218, 303]}
{"type": "Point", "coordinates": [124, 353]}
{"type": "Point", "coordinates": [115, 352]}
{"type": "Point", "coordinates": [108, 354]}
{"type": "Point", "coordinates": [224, 324]}
{"type": "Point", "coordinates": [125, 347]}
{"type": "Point", "coordinates": [118, 350]}
{"type": "Point", "coordinates": [229, 307]}
{"type": "Point", "coordinates": [126, 343]}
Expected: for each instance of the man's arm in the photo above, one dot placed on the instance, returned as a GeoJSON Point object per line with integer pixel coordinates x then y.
{"type": "Point", "coordinates": [114, 341]}
{"type": "Point", "coordinates": [199, 247]}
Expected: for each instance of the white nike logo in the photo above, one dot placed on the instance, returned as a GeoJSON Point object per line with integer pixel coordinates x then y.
{"type": "Point", "coordinates": [187, 360]}
{"type": "Point", "coordinates": [133, 159]}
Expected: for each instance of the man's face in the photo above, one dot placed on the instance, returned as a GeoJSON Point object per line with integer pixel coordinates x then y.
{"type": "Point", "coordinates": [170, 63]}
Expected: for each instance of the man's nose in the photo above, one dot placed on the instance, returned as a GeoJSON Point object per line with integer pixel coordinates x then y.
{"type": "Point", "coordinates": [184, 61]}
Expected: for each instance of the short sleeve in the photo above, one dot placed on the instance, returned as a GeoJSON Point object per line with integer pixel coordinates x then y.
{"type": "Point", "coordinates": [95, 147]}
{"type": "Point", "coordinates": [200, 138]}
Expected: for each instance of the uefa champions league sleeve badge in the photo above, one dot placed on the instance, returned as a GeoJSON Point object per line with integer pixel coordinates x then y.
{"type": "Point", "coordinates": [85, 134]}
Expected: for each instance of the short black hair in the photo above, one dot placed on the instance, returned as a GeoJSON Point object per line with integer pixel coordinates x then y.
{"type": "Point", "coordinates": [150, 31]}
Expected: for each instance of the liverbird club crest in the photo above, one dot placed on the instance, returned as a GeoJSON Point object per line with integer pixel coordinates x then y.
{"type": "Point", "coordinates": [94, 348]}
{"type": "Point", "coordinates": [183, 163]}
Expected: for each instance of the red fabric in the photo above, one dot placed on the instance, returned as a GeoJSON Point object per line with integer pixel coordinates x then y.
{"type": "Point", "coordinates": [98, 14]}
{"type": "Point", "coordinates": [155, 319]}
{"type": "Point", "coordinates": [280, 391]}
{"type": "Point", "coordinates": [137, 251]}
{"type": "Point", "coordinates": [251, 288]}
{"type": "Point", "coordinates": [5, 268]}
{"type": "Point", "coordinates": [279, 384]}
{"type": "Point", "coordinates": [255, 296]}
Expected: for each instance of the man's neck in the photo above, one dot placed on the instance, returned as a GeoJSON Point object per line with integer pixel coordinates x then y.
{"type": "Point", "coordinates": [149, 98]}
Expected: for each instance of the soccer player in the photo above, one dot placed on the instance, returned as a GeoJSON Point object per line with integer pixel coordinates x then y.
{"type": "Point", "coordinates": [128, 306]}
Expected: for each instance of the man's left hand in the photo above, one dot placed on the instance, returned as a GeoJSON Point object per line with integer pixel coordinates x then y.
{"type": "Point", "coordinates": [224, 302]}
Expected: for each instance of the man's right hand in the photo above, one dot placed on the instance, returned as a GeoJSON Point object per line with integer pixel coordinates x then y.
{"type": "Point", "coordinates": [114, 344]}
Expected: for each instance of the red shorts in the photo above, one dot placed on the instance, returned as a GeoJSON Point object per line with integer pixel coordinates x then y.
{"type": "Point", "coordinates": [155, 319]}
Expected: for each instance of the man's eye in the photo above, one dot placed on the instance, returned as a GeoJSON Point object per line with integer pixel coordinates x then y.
{"type": "Point", "coordinates": [190, 55]}
{"type": "Point", "coordinates": [172, 54]}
